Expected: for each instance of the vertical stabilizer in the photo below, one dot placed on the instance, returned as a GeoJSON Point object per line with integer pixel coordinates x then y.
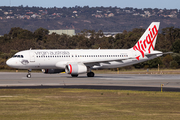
{"type": "Point", "coordinates": [146, 43]}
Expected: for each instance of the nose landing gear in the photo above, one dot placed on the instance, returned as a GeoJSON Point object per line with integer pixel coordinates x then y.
{"type": "Point", "coordinates": [29, 74]}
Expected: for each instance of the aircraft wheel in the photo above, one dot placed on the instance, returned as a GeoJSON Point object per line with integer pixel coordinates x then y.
{"type": "Point", "coordinates": [28, 75]}
{"type": "Point", "coordinates": [74, 75]}
{"type": "Point", "coordinates": [90, 74]}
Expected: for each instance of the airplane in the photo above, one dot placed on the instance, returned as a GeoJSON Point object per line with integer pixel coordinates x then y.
{"type": "Point", "coordinates": [78, 61]}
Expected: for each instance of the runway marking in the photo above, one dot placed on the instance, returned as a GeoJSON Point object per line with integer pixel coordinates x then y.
{"type": "Point", "coordinates": [26, 78]}
{"type": "Point", "coordinates": [141, 78]}
{"type": "Point", "coordinates": [130, 79]}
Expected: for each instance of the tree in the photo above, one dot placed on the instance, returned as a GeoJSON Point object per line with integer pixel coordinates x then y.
{"type": "Point", "coordinates": [20, 33]}
{"type": "Point", "coordinates": [171, 33]}
{"type": "Point", "coordinates": [173, 64]}
{"type": "Point", "coordinates": [166, 61]}
{"type": "Point", "coordinates": [14, 32]}
{"type": "Point", "coordinates": [176, 46]}
{"type": "Point", "coordinates": [154, 62]}
{"type": "Point", "coordinates": [40, 34]}
{"type": "Point", "coordinates": [176, 57]}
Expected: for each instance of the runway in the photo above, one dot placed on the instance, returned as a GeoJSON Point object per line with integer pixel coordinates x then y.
{"type": "Point", "coordinates": [100, 81]}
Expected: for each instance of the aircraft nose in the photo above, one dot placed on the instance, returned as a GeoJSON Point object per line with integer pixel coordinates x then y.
{"type": "Point", "coordinates": [9, 62]}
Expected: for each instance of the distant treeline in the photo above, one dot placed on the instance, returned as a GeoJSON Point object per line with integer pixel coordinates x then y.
{"type": "Point", "coordinates": [20, 39]}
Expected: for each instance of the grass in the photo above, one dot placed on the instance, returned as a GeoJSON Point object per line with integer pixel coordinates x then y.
{"type": "Point", "coordinates": [68, 104]}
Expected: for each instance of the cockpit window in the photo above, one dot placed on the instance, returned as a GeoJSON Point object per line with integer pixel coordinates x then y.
{"type": "Point", "coordinates": [18, 56]}
{"type": "Point", "coordinates": [14, 56]}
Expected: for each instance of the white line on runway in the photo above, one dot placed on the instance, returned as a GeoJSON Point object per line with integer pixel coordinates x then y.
{"type": "Point", "coordinates": [140, 78]}
{"type": "Point", "coordinates": [26, 78]}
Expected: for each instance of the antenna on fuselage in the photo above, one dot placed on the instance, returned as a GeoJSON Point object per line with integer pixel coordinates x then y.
{"type": "Point", "coordinates": [30, 48]}
{"type": "Point", "coordinates": [99, 48]}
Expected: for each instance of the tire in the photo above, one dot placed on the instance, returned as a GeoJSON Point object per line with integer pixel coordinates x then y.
{"type": "Point", "coordinates": [28, 75]}
{"type": "Point", "coordinates": [74, 75]}
{"type": "Point", "coordinates": [90, 74]}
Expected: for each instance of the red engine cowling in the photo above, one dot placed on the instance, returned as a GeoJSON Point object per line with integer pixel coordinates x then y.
{"type": "Point", "coordinates": [75, 69]}
{"type": "Point", "coordinates": [52, 71]}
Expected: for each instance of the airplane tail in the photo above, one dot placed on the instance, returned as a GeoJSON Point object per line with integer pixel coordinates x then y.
{"type": "Point", "coordinates": [146, 43]}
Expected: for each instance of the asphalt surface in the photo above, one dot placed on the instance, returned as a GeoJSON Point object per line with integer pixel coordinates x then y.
{"type": "Point", "coordinates": [141, 82]}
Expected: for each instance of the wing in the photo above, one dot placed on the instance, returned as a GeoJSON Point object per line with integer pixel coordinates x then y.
{"type": "Point", "coordinates": [97, 62]}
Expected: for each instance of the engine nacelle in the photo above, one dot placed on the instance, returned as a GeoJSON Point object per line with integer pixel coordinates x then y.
{"type": "Point", "coordinates": [52, 71]}
{"type": "Point", "coordinates": [75, 69]}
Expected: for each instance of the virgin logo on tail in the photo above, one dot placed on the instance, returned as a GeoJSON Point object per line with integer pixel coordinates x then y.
{"type": "Point", "coordinates": [145, 45]}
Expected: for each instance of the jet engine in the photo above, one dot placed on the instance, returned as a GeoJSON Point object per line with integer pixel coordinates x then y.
{"type": "Point", "coordinates": [75, 69]}
{"type": "Point", "coordinates": [52, 71]}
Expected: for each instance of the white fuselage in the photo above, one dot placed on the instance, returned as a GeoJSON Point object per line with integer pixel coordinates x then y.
{"type": "Point", "coordinates": [58, 59]}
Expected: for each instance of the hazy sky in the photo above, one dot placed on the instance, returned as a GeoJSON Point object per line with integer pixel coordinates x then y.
{"type": "Point", "coordinates": [168, 4]}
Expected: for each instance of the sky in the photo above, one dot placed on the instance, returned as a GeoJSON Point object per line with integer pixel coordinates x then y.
{"type": "Point", "coordinates": [161, 4]}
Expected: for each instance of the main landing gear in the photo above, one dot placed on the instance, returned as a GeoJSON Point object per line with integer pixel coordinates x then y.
{"type": "Point", "coordinates": [90, 74]}
{"type": "Point", "coordinates": [75, 75]}
{"type": "Point", "coordinates": [29, 74]}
